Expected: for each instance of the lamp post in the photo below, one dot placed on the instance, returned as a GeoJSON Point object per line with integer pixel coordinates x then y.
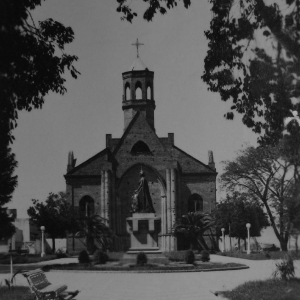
{"type": "Point", "coordinates": [223, 239]}
{"type": "Point", "coordinates": [43, 246]}
{"type": "Point", "coordinates": [248, 225]}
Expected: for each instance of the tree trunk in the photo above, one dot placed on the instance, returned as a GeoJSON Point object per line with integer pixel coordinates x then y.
{"type": "Point", "coordinates": [239, 243]}
{"type": "Point", "coordinates": [214, 241]}
{"type": "Point", "coordinates": [279, 236]}
{"type": "Point", "coordinates": [283, 244]}
{"type": "Point", "coordinates": [53, 244]}
{"type": "Point", "coordinates": [202, 242]}
{"type": "Point", "coordinates": [90, 245]}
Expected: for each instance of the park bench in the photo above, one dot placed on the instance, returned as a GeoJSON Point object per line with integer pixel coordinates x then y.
{"type": "Point", "coordinates": [44, 290]}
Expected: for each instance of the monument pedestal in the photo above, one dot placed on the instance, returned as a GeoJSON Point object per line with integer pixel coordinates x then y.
{"type": "Point", "coordinates": [143, 229]}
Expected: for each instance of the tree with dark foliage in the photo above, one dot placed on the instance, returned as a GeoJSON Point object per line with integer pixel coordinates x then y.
{"type": "Point", "coordinates": [32, 63]}
{"type": "Point", "coordinates": [265, 175]}
{"type": "Point", "coordinates": [32, 60]}
{"type": "Point", "coordinates": [193, 226]}
{"type": "Point", "coordinates": [8, 181]}
{"type": "Point", "coordinates": [238, 209]}
{"type": "Point", "coordinates": [7, 229]}
{"type": "Point", "coordinates": [94, 233]}
{"type": "Point", "coordinates": [56, 214]}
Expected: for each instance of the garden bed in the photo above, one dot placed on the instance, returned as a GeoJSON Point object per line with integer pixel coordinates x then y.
{"type": "Point", "coordinates": [172, 267]}
{"type": "Point", "coordinates": [260, 255]}
{"type": "Point", "coordinates": [272, 289]}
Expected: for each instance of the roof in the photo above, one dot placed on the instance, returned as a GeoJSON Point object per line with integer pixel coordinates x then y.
{"type": "Point", "coordinates": [138, 65]}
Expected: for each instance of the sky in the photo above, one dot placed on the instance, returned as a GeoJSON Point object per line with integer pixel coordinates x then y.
{"type": "Point", "coordinates": [174, 48]}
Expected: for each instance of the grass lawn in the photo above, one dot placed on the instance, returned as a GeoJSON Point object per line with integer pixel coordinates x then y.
{"type": "Point", "coordinates": [16, 293]}
{"type": "Point", "coordinates": [260, 255]}
{"type": "Point", "coordinates": [272, 289]}
{"type": "Point", "coordinates": [26, 259]}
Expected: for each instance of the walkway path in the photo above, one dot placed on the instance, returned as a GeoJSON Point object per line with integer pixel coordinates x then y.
{"type": "Point", "coordinates": [159, 286]}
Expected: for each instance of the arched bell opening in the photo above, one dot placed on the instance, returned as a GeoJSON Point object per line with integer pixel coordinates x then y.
{"type": "Point", "coordinates": [138, 91]}
{"type": "Point", "coordinates": [149, 93]}
{"type": "Point", "coordinates": [127, 92]}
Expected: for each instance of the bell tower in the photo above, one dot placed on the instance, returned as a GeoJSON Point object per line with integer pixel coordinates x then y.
{"type": "Point", "coordinates": [138, 92]}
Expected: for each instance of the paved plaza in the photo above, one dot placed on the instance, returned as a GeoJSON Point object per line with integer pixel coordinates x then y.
{"type": "Point", "coordinates": [158, 286]}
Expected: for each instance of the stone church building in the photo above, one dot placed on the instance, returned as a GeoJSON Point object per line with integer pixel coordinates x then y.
{"type": "Point", "coordinates": [105, 183]}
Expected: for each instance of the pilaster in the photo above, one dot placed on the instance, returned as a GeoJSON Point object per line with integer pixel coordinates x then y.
{"type": "Point", "coordinates": [107, 194]}
{"type": "Point", "coordinates": [173, 208]}
{"type": "Point", "coordinates": [102, 193]}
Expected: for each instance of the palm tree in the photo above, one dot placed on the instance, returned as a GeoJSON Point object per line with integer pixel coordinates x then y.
{"type": "Point", "coordinates": [192, 226]}
{"type": "Point", "coordinates": [93, 228]}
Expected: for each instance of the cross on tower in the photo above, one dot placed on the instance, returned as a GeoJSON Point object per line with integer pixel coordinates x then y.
{"type": "Point", "coordinates": [137, 44]}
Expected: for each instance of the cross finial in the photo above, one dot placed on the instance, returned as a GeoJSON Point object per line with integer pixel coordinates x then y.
{"type": "Point", "coordinates": [137, 44]}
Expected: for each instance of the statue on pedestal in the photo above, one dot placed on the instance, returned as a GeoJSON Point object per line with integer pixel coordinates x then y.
{"type": "Point", "coordinates": [141, 199]}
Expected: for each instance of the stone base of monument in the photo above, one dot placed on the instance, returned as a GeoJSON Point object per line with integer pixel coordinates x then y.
{"type": "Point", "coordinates": [153, 258]}
{"type": "Point", "coordinates": [143, 229]}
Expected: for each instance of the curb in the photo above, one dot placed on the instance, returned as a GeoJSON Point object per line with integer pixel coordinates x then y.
{"type": "Point", "coordinates": [152, 271]}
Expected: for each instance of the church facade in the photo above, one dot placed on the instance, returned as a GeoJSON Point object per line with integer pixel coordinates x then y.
{"type": "Point", "coordinates": [106, 183]}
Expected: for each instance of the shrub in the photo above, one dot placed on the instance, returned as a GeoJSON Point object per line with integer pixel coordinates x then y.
{"type": "Point", "coordinates": [189, 257]}
{"type": "Point", "coordinates": [83, 257]}
{"type": "Point", "coordinates": [267, 254]}
{"type": "Point", "coordinates": [100, 257]}
{"type": "Point", "coordinates": [205, 256]}
{"type": "Point", "coordinates": [285, 269]}
{"type": "Point", "coordinates": [141, 259]}
{"type": "Point", "coordinates": [175, 255]}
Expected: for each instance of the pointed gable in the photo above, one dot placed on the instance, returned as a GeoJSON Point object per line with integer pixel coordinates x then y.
{"type": "Point", "coordinates": [140, 133]}
{"type": "Point", "coordinates": [189, 164]}
{"type": "Point", "coordinates": [92, 166]}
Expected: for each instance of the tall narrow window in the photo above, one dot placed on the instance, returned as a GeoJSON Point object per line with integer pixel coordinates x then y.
{"type": "Point", "coordinates": [86, 206]}
{"type": "Point", "coordinates": [195, 203]}
{"type": "Point", "coordinates": [138, 91]}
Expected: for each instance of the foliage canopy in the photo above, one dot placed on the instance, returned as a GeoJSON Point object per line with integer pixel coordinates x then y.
{"type": "Point", "coordinates": [266, 176]}
{"type": "Point", "coordinates": [238, 209]}
{"type": "Point", "coordinates": [32, 63]}
{"type": "Point", "coordinates": [193, 226]}
{"type": "Point", "coordinates": [93, 229]}
{"type": "Point", "coordinates": [56, 214]}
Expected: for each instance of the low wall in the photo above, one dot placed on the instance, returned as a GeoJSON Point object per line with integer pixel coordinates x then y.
{"type": "Point", "coordinates": [267, 237]}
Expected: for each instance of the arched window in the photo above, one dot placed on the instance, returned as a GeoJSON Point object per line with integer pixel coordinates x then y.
{"type": "Point", "coordinates": [127, 91]}
{"type": "Point", "coordinates": [86, 206]}
{"type": "Point", "coordinates": [138, 90]}
{"type": "Point", "coordinates": [195, 203]}
{"type": "Point", "coordinates": [149, 93]}
{"type": "Point", "coordinates": [140, 148]}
